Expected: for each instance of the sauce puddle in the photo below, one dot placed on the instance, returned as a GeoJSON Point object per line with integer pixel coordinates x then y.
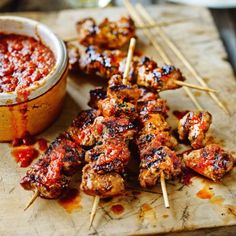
{"type": "Point", "coordinates": [71, 200]}
{"type": "Point", "coordinates": [117, 209]}
{"type": "Point", "coordinates": [24, 155]}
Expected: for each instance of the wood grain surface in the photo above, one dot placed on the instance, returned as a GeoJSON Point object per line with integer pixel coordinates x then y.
{"type": "Point", "coordinates": [143, 211]}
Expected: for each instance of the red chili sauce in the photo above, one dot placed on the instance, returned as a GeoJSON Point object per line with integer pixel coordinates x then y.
{"type": "Point", "coordinates": [23, 61]}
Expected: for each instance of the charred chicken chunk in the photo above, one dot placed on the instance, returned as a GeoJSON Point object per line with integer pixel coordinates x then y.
{"type": "Point", "coordinates": [156, 160]}
{"type": "Point", "coordinates": [211, 161]}
{"type": "Point", "coordinates": [108, 34]}
{"type": "Point", "coordinates": [104, 185]}
{"type": "Point", "coordinates": [193, 126]}
{"type": "Point", "coordinates": [48, 174]}
{"type": "Point", "coordinates": [116, 107]}
{"type": "Point", "coordinates": [108, 156]}
{"type": "Point", "coordinates": [82, 126]}
{"type": "Point", "coordinates": [96, 95]}
{"type": "Point", "coordinates": [151, 76]}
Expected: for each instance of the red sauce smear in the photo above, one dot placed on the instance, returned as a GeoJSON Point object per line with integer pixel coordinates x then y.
{"type": "Point", "coordinates": [70, 200]}
{"type": "Point", "coordinates": [43, 144]}
{"type": "Point", "coordinates": [179, 114]}
{"type": "Point", "coordinates": [24, 61]}
{"type": "Point", "coordinates": [25, 155]}
{"type": "Point", "coordinates": [117, 209]}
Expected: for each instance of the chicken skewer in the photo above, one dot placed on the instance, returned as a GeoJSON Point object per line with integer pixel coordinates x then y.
{"type": "Point", "coordinates": [127, 67]}
{"type": "Point", "coordinates": [51, 174]}
{"type": "Point", "coordinates": [144, 71]}
{"type": "Point", "coordinates": [155, 142]}
{"type": "Point", "coordinates": [180, 55]}
{"type": "Point", "coordinates": [90, 33]}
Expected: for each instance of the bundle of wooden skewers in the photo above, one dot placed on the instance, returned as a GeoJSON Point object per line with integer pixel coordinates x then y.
{"type": "Point", "coordinates": [129, 112]}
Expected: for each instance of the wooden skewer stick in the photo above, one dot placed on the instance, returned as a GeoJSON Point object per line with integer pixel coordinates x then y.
{"type": "Point", "coordinates": [124, 81]}
{"type": "Point", "coordinates": [158, 48]}
{"type": "Point", "coordinates": [194, 86]}
{"type": "Point", "coordinates": [32, 200]}
{"type": "Point", "coordinates": [129, 60]}
{"type": "Point", "coordinates": [180, 55]}
{"type": "Point", "coordinates": [94, 209]}
{"type": "Point", "coordinates": [164, 191]}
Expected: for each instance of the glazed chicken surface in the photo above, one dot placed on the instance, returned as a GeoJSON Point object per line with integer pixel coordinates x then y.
{"type": "Point", "coordinates": [107, 34]}
{"type": "Point", "coordinates": [211, 161]}
{"type": "Point", "coordinates": [50, 175]}
{"type": "Point", "coordinates": [193, 127]}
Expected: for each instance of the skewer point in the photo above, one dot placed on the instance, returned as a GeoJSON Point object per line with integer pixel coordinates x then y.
{"type": "Point", "coordinates": [36, 194]}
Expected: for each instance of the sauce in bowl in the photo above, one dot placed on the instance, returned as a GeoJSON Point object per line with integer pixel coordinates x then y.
{"type": "Point", "coordinates": [23, 62]}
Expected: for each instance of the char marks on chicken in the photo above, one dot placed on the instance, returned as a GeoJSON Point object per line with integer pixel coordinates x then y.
{"type": "Point", "coordinates": [107, 34]}
{"type": "Point", "coordinates": [193, 127]}
{"type": "Point", "coordinates": [211, 161]}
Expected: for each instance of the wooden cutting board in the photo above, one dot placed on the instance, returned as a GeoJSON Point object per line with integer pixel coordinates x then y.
{"type": "Point", "coordinates": [138, 211]}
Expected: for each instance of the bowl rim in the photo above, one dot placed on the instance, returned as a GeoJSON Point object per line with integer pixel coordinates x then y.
{"type": "Point", "coordinates": [43, 85]}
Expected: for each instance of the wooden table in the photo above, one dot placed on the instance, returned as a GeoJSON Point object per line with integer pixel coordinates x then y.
{"type": "Point", "coordinates": [143, 211]}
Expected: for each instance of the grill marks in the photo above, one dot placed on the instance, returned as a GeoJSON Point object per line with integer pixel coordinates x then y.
{"type": "Point", "coordinates": [211, 161]}
{"type": "Point", "coordinates": [50, 175]}
{"type": "Point", "coordinates": [107, 34]}
{"type": "Point", "coordinates": [154, 142]}
{"type": "Point", "coordinates": [194, 126]}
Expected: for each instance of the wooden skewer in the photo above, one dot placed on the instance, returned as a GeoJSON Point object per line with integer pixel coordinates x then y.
{"type": "Point", "coordinates": [124, 81]}
{"type": "Point", "coordinates": [32, 200]}
{"type": "Point", "coordinates": [194, 86]}
{"type": "Point", "coordinates": [180, 55]}
{"type": "Point", "coordinates": [94, 209]}
{"type": "Point", "coordinates": [129, 60]}
{"type": "Point", "coordinates": [164, 191]}
{"type": "Point", "coordinates": [158, 48]}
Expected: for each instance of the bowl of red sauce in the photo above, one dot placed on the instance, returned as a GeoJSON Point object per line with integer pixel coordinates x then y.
{"type": "Point", "coordinates": [33, 71]}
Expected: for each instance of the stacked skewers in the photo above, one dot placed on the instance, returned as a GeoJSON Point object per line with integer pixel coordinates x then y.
{"type": "Point", "coordinates": [130, 110]}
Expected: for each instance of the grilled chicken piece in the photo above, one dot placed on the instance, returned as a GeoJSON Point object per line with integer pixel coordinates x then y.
{"type": "Point", "coordinates": [151, 103]}
{"type": "Point", "coordinates": [108, 34]}
{"type": "Point", "coordinates": [48, 175]}
{"type": "Point", "coordinates": [211, 161]}
{"type": "Point", "coordinates": [158, 138]}
{"type": "Point", "coordinates": [110, 155]}
{"type": "Point", "coordinates": [103, 185]}
{"type": "Point", "coordinates": [157, 78]}
{"type": "Point", "coordinates": [156, 160]}
{"type": "Point", "coordinates": [193, 126]}
{"type": "Point", "coordinates": [102, 63]}
{"type": "Point", "coordinates": [96, 95]}
{"type": "Point", "coordinates": [82, 126]}
{"type": "Point", "coordinates": [114, 107]}
{"type": "Point", "coordinates": [127, 92]}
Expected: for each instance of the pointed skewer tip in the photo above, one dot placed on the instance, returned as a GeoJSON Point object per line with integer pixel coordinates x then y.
{"type": "Point", "coordinates": [32, 200]}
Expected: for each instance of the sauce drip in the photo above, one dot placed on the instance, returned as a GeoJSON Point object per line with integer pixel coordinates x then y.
{"type": "Point", "coordinates": [117, 209]}
{"type": "Point", "coordinates": [179, 114]}
{"type": "Point", "coordinates": [25, 155]}
{"type": "Point", "coordinates": [205, 192]}
{"type": "Point", "coordinates": [70, 200]}
{"type": "Point", "coordinates": [27, 140]}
